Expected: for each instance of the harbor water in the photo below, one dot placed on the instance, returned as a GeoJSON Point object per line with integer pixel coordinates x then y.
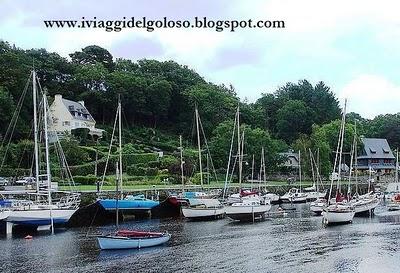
{"type": "Point", "coordinates": [295, 242]}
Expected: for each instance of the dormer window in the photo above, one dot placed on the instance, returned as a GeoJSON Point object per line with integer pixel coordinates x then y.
{"type": "Point", "coordinates": [71, 108]}
{"type": "Point", "coordinates": [372, 150]}
{"type": "Point", "coordinates": [386, 151]}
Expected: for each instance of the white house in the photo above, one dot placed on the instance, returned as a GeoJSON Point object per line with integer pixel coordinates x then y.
{"type": "Point", "coordinates": [68, 115]}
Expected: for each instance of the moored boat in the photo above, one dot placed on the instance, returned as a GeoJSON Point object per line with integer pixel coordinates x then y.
{"type": "Point", "coordinates": [317, 206]}
{"type": "Point", "coordinates": [127, 239]}
{"type": "Point", "coordinates": [248, 210]}
{"type": "Point", "coordinates": [338, 214]}
{"type": "Point", "coordinates": [203, 209]}
{"type": "Point", "coordinates": [130, 202]}
{"type": "Point", "coordinates": [130, 239]}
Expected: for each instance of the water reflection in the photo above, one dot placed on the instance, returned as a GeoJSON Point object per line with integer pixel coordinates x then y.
{"type": "Point", "coordinates": [294, 242]}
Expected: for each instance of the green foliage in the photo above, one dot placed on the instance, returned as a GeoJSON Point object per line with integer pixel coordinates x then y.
{"type": "Point", "coordinates": [294, 118]}
{"type": "Point", "coordinates": [318, 101]}
{"type": "Point", "coordinates": [255, 139]}
{"type": "Point", "coordinates": [85, 180]}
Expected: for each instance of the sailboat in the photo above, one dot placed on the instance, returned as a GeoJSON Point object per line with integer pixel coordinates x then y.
{"type": "Point", "coordinates": [201, 208]}
{"type": "Point", "coordinates": [338, 211]}
{"type": "Point", "coordinates": [363, 204]}
{"type": "Point", "coordinates": [313, 192]}
{"type": "Point", "coordinates": [44, 212]}
{"type": "Point", "coordinates": [127, 239]}
{"type": "Point", "coordinates": [317, 205]}
{"type": "Point", "coordinates": [132, 203]}
{"type": "Point", "coordinates": [295, 195]}
{"type": "Point", "coordinates": [266, 196]}
{"type": "Point", "coordinates": [248, 207]}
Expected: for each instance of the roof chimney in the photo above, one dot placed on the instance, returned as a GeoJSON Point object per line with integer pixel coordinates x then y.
{"type": "Point", "coordinates": [81, 102]}
{"type": "Point", "coordinates": [58, 97]}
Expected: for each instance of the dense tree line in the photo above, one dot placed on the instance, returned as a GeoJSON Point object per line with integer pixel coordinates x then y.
{"type": "Point", "coordinates": [162, 96]}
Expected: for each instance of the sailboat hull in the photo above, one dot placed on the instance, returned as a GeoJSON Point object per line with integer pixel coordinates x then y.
{"type": "Point", "coordinates": [4, 214]}
{"type": "Point", "coordinates": [121, 242]}
{"type": "Point", "coordinates": [332, 217]}
{"type": "Point", "coordinates": [203, 213]}
{"type": "Point", "coordinates": [366, 206]}
{"type": "Point", "coordinates": [246, 213]}
{"type": "Point", "coordinates": [133, 205]}
{"type": "Point", "coordinates": [40, 217]}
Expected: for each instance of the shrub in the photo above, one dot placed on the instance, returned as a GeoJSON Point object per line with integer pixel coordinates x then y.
{"type": "Point", "coordinates": [85, 180]}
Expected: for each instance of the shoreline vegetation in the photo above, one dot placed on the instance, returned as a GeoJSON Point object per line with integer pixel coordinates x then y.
{"type": "Point", "coordinates": [158, 100]}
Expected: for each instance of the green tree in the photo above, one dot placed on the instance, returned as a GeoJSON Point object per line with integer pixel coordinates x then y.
{"type": "Point", "coordinates": [93, 54]}
{"type": "Point", "coordinates": [294, 118]}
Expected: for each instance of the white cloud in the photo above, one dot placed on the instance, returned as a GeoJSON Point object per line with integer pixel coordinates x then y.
{"type": "Point", "coordinates": [371, 95]}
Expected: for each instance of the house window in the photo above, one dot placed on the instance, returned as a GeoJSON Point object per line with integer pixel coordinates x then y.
{"type": "Point", "coordinates": [76, 124]}
{"type": "Point", "coordinates": [374, 161]}
{"type": "Point", "coordinates": [66, 123]}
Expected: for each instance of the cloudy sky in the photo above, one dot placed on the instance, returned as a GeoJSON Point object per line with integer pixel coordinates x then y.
{"type": "Point", "coordinates": [353, 46]}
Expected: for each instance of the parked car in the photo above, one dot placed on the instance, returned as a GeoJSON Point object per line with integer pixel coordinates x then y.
{"type": "Point", "coordinates": [4, 181]}
{"type": "Point", "coordinates": [27, 180]}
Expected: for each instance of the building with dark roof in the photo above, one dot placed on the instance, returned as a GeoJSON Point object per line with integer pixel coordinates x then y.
{"type": "Point", "coordinates": [377, 155]}
{"type": "Point", "coordinates": [291, 160]}
{"type": "Point", "coordinates": [68, 115]}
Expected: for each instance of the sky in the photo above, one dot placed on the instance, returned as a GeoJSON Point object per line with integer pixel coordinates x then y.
{"type": "Point", "coordinates": [352, 46]}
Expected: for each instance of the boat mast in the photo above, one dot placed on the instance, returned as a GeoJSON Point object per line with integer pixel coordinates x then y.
{"type": "Point", "coordinates": [397, 166]}
{"type": "Point", "coordinates": [312, 169]}
{"type": "Point", "coordinates": [263, 167]}
{"type": "Point", "coordinates": [199, 145]}
{"type": "Point", "coordinates": [351, 162]}
{"type": "Point", "coordinates": [35, 129]}
{"type": "Point", "coordinates": [48, 174]}
{"type": "Point", "coordinates": [119, 165]}
{"type": "Point", "coordinates": [120, 143]}
{"type": "Point", "coordinates": [239, 153]}
{"type": "Point", "coordinates": [337, 152]}
{"type": "Point", "coordinates": [181, 152]}
{"type": "Point", "coordinates": [300, 169]}
{"type": "Point", "coordinates": [230, 154]}
{"type": "Point", "coordinates": [341, 148]}
{"type": "Point", "coordinates": [252, 174]}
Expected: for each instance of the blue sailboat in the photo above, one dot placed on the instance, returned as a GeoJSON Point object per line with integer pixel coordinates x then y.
{"type": "Point", "coordinates": [131, 203]}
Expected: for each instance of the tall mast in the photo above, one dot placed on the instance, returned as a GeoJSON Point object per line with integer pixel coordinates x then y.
{"type": "Point", "coordinates": [118, 168]}
{"type": "Point", "coordinates": [239, 152]}
{"type": "Point", "coordinates": [300, 169]}
{"type": "Point", "coordinates": [337, 154]}
{"type": "Point", "coordinates": [241, 160]}
{"type": "Point", "coordinates": [199, 144]}
{"type": "Point", "coordinates": [397, 166]}
{"type": "Point", "coordinates": [181, 152]}
{"type": "Point", "coordinates": [35, 129]}
{"type": "Point", "coordinates": [230, 153]}
{"type": "Point", "coordinates": [263, 165]}
{"type": "Point", "coordinates": [48, 174]}
{"type": "Point", "coordinates": [120, 142]}
{"type": "Point", "coordinates": [341, 146]}
{"type": "Point", "coordinates": [252, 173]}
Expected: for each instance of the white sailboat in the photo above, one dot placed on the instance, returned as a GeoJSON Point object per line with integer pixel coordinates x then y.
{"type": "Point", "coordinates": [338, 212]}
{"type": "Point", "coordinates": [202, 208]}
{"type": "Point", "coordinates": [44, 212]}
{"type": "Point", "coordinates": [320, 202]}
{"type": "Point", "coordinates": [363, 204]}
{"type": "Point", "coordinates": [247, 208]}
{"type": "Point", "coordinates": [266, 196]}
{"type": "Point", "coordinates": [295, 195]}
